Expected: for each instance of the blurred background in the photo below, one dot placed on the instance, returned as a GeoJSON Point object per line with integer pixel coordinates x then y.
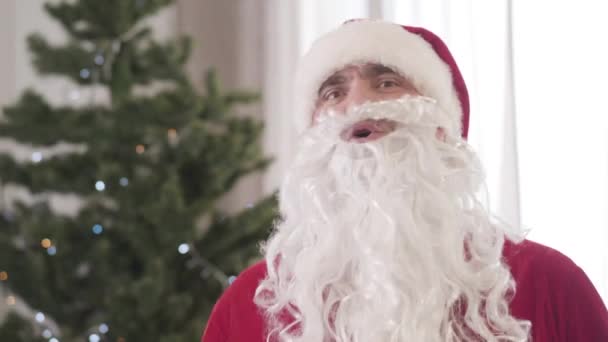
{"type": "Point", "coordinates": [536, 73]}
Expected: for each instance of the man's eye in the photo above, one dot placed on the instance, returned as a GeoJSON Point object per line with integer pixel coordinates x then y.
{"type": "Point", "coordinates": [388, 84]}
{"type": "Point", "coordinates": [332, 94]}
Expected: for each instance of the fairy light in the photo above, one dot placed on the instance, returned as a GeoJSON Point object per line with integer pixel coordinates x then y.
{"type": "Point", "coordinates": [124, 181]}
{"type": "Point", "coordinates": [172, 136]}
{"type": "Point", "coordinates": [39, 317]}
{"type": "Point", "coordinates": [3, 276]}
{"type": "Point", "coordinates": [140, 149]}
{"type": "Point", "coordinates": [97, 229]}
{"type": "Point", "coordinates": [85, 73]}
{"type": "Point", "coordinates": [103, 328]}
{"type": "Point", "coordinates": [172, 133]}
{"type": "Point", "coordinates": [46, 243]}
{"type": "Point", "coordinates": [99, 59]}
{"type": "Point", "coordinates": [100, 186]}
{"type": "Point", "coordinates": [36, 157]}
{"type": "Point", "coordinates": [183, 248]}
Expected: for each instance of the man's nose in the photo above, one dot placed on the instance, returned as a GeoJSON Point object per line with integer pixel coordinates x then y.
{"type": "Point", "coordinates": [359, 93]}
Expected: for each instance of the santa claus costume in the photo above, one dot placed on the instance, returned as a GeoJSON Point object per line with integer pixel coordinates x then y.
{"type": "Point", "coordinates": [388, 240]}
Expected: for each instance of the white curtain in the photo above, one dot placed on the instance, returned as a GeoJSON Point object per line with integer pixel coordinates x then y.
{"type": "Point", "coordinates": [547, 162]}
{"type": "Point", "coordinates": [562, 128]}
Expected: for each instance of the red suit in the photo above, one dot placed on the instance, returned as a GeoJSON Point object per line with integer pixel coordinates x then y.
{"type": "Point", "coordinates": [551, 292]}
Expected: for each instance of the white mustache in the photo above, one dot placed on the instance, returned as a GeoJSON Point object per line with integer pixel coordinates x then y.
{"type": "Point", "coordinates": [413, 116]}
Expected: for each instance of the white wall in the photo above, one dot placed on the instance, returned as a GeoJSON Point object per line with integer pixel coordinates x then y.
{"type": "Point", "coordinates": [7, 78]}
{"type": "Point", "coordinates": [560, 79]}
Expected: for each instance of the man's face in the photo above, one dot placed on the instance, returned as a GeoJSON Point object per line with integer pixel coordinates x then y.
{"type": "Point", "coordinates": [357, 84]}
{"type": "Point", "coordinates": [383, 240]}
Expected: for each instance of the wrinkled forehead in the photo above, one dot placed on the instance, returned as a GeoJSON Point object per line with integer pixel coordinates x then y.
{"type": "Point", "coordinates": [365, 69]}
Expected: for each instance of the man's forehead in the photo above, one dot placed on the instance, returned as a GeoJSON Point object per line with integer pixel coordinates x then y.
{"type": "Point", "coordinates": [365, 69]}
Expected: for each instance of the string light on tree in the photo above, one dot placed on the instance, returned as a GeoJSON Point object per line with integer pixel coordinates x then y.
{"type": "Point", "coordinates": [94, 338]}
{"type": "Point", "coordinates": [100, 186]}
{"type": "Point", "coordinates": [3, 276]}
{"type": "Point", "coordinates": [85, 73]}
{"type": "Point", "coordinates": [103, 328]}
{"type": "Point", "coordinates": [37, 157]}
{"type": "Point", "coordinates": [47, 334]}
{"type": "Point", "coordinates": [39, 317]}
{"type": "Point", "coordinates": [172, 136]}
{"type": "Point", "coordinates": [51, 250]}
{"type": "Point", "coordinates": [183, 248]}
{"type": "Point", "coordinates": [123, 181]}
{"type": "Point", "coordinates": [46, 243]}
{"type": "Point", "coordinates": [97, 229]}
{"type": "Point", "coordinates": [53, 340]}
{"type": "Point", "coordinates": [140, 149]}
{"type": "Point", "coordinates": [99, 59]}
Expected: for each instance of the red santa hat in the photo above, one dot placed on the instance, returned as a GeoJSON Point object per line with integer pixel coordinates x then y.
{"type": "Point", "coordinates": [416, 53]}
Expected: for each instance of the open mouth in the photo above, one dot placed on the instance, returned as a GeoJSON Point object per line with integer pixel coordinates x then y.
{"type": "Point", "coordinates": [368, 130]}
{"type": "Point", "coordinates": [362, 133]}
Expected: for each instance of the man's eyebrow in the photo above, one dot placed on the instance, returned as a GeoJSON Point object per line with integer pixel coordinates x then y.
{"type": "Point", "coordinates": [335, 79]}
{"type": "Point", "coordinates": [373, 70]}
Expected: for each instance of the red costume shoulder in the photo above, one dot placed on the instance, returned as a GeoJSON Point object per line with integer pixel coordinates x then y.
{"type": "Point", "coordinates": [235, 317]}
{"type": "Point", "coordinates": [551, 291]}
{"type": "Point", "coordinates": [555, 295]}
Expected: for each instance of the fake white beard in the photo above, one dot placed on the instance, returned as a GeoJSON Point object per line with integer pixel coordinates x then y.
{"type": "Point", "coordinates": [385, 240]}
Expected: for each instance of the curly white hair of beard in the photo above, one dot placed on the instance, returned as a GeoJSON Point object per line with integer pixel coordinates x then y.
{"type": "Point", "coordinates": [387, 240]}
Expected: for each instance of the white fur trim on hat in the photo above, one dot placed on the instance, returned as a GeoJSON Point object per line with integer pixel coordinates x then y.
{"type": "Point", "coordinates": [366, 41]}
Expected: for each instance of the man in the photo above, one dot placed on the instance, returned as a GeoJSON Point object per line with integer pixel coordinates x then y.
{"type": "Point", "coordinates": [382, 236]}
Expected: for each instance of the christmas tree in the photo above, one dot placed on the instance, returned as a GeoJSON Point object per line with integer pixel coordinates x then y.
{"type": "Point", "coordinates": [148, 252]}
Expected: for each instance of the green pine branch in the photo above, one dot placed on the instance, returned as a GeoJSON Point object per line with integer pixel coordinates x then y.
{"type": "Point", "coordinates": [18, 329]}
{"type": "Point", "coordinates": [92, 20]}
{"type": "Point", "coordinates": [136, 60]}
{"type": "Point", "coordinates": [133, 256]}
